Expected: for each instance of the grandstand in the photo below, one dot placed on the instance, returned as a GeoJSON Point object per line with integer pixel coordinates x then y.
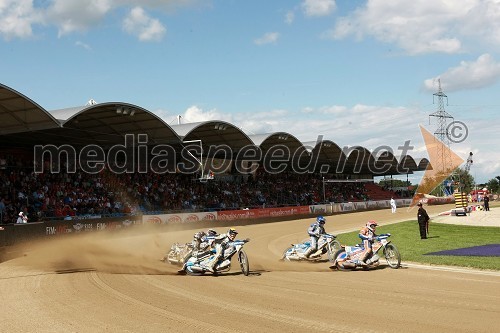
{"type": "Point", "coordinates": [156, 167]}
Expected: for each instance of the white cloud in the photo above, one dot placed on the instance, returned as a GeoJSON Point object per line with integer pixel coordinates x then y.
{"type": "Point", "coordinates": [83, 45]}
{"type": "Point", "coordinates": [268, 38]}
{"type": "Point", "coordinates": [423, 26]}
{"type": "Point", "coordinates": [17, 18]}
{"type": "Point", "coordinates": [76, 16]}
{"type": "Point", "coordinates": [482, 72]}
{"type": "Point", "coordinates": [289, 17]}
{"type": "Point", "coordinates": [195, 114]}
{"type": "Point", "coordinates": [139, 24]}
{"type": "Point", "coordinates": [318, 7]}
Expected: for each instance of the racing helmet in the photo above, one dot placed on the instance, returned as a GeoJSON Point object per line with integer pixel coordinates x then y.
{"type": "Point", "coordinates": [199, 235]}
{"type": "Point", "coordinates": [371, 225]}
{"type": "Point", "coordinates": [320, 219]}
{"type": "Point", "coordinates": [211, 232]}
{"type": "Point", "coordinates": [231, 233]}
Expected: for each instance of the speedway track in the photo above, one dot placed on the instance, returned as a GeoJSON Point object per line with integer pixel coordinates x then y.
{"type": "Point", "coordinates": [116, 284]}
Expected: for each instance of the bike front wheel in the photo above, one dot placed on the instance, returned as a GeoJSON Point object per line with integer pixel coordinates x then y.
{"type": "Point", "coordinates": [392, 256]}
{"type": "Point", "coordinates": [243, 259]}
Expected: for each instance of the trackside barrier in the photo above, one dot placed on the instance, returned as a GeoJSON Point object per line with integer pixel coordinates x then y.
{"type": "Point", "coordinates": [245, 214]}
{"type": "Point", "coordinates": [16, 233]}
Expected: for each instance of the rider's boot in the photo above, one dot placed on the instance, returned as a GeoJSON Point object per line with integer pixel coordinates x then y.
{"type": "Point", "coordinates": [306, 253]}
{"type": "Point", "coordinates": [363, 259]}
{"type": "Point", "coordinates": [210, 266]}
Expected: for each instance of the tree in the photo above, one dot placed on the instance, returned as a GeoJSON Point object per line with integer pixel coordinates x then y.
{"type": "Point", "coordinates": [493, 184]}
{"type": "Point", "coordinates": [393, 183]}
{"type": "Point", "coordinates": [464, 178]}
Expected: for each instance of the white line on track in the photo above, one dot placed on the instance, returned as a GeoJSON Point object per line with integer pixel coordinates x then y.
{"type": "Point", "coordinates": [451, 269]}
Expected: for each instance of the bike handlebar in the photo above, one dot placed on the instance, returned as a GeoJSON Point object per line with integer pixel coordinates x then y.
{"type": "Point", "coordinates": [383, 236]}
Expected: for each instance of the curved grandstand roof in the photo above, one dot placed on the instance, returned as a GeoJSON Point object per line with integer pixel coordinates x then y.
{"type": "Point", "coordinates": [386, 164]}
{"type": "Point", "coordinates": [328, 150]}
{"type": "Point", "coordinates": [423, 164]}
{"type": "Point", "coordinates": [110, 122]}
{"type": "Point", "coordinates": [267, 140]}
{"type": "Point", "coordinates": [281, 146]}
{"type": "Point", "coordinates": [407, 164]}
{"type": "Point", "coordinates": [213, 133]}
{"type": "Point", "coordinates": [359, 160]}
{"type": "Point", "coordinates": [25, 123]}
{"type": "Point", "coordinates": [20, 114]}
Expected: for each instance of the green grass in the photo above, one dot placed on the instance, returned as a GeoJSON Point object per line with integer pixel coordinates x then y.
{"type": "Point", "coordinates": [406, 237]}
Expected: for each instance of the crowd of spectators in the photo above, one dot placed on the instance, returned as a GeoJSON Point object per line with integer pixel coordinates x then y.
{"type": "Point", "coordinates": [63, 195]}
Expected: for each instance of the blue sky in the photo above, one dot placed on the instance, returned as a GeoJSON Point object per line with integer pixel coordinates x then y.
{"type": "Point", "coordinates": [357, 72]}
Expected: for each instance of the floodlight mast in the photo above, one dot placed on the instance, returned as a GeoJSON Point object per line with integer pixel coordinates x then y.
{"type": "Point", "coordinates": [200, 161]}
{"type": "Point", "coordinates": [469, 162]}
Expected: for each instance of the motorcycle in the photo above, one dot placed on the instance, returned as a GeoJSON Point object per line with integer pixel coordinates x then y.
{"type": "Point", "coordinates": [198, 265]}
{"type": "Point", "coordinates": [179, 253]}
{"type": "Point", "coordinates": [327, 243]}
{"type": "Point", "coordinates": [349, 257]}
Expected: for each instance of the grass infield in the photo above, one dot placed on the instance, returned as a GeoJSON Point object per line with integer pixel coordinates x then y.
{"type": "Point", "coordinates": [406, 237]}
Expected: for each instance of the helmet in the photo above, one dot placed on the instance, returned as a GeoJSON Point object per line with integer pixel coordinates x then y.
{"type": "Point", "coordinates": [320, 219]}
{"type": "Point", "coordinates": [231, 233]}
{"type": "Point", "coordinates": [371, 225]}
{"type": "Point", "coordinates": [211, 232]}
{"type": "Point", "coordinates": [199, 235]}
{"type": "Point", "coordinates": [21, 214]}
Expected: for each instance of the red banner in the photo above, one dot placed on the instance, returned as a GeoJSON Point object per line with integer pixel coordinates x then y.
{"type": "Point", "coordinates": [262, 212]}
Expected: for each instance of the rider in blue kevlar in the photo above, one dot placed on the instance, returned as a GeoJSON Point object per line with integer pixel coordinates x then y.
{"type": "Point", "coordinates": [315, 231]}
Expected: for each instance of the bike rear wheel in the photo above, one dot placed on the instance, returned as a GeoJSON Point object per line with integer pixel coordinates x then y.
{"type": "Point", "coordinates": [284, 257]}
{"type": "Point", "coordinates": [339, 265]}
{"type": "Point", "coordinates": [243, 259]}
{"type": "Point", "coordinates": [186, 256]}
{"type": "Point", "coordinates": [392, 256]}
{"type": "Point", "coordinates": [193, 273]}
{"type": "Point", "coordinates": [334, 248]}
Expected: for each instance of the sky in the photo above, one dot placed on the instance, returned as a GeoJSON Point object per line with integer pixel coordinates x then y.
{"type": "Point", "coordinates": [356, 72]}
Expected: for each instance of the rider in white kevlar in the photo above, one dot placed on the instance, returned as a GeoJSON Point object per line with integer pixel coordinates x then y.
{"type": "Point", "coordinates": [202, 240]}
{"type": "Point", "coordinates": [315, 231]}
{"type": "Point", "coordinates": [222, 242]}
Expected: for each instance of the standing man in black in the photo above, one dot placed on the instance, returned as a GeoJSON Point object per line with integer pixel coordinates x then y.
{"type": "Point", "coordinates": [423, 220]}
{"type": "Point", "coordinates": [486, 201]}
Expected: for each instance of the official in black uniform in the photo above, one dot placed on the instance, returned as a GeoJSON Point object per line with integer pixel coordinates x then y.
{"type": "Point", "coordinates": [423, 221]}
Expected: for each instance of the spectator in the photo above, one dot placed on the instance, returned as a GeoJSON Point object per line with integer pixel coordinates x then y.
{"type": "Point", "coordinates": [486, 202]}
{"type": "Point", "coordinates": [22, 218]}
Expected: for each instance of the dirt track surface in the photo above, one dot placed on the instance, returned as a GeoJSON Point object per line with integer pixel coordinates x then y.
{"type": "Point", "coordinates": [110, 284]}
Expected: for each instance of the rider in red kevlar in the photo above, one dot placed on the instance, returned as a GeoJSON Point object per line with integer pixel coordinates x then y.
{"type": "Point", "coordinates": [367, 235]}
